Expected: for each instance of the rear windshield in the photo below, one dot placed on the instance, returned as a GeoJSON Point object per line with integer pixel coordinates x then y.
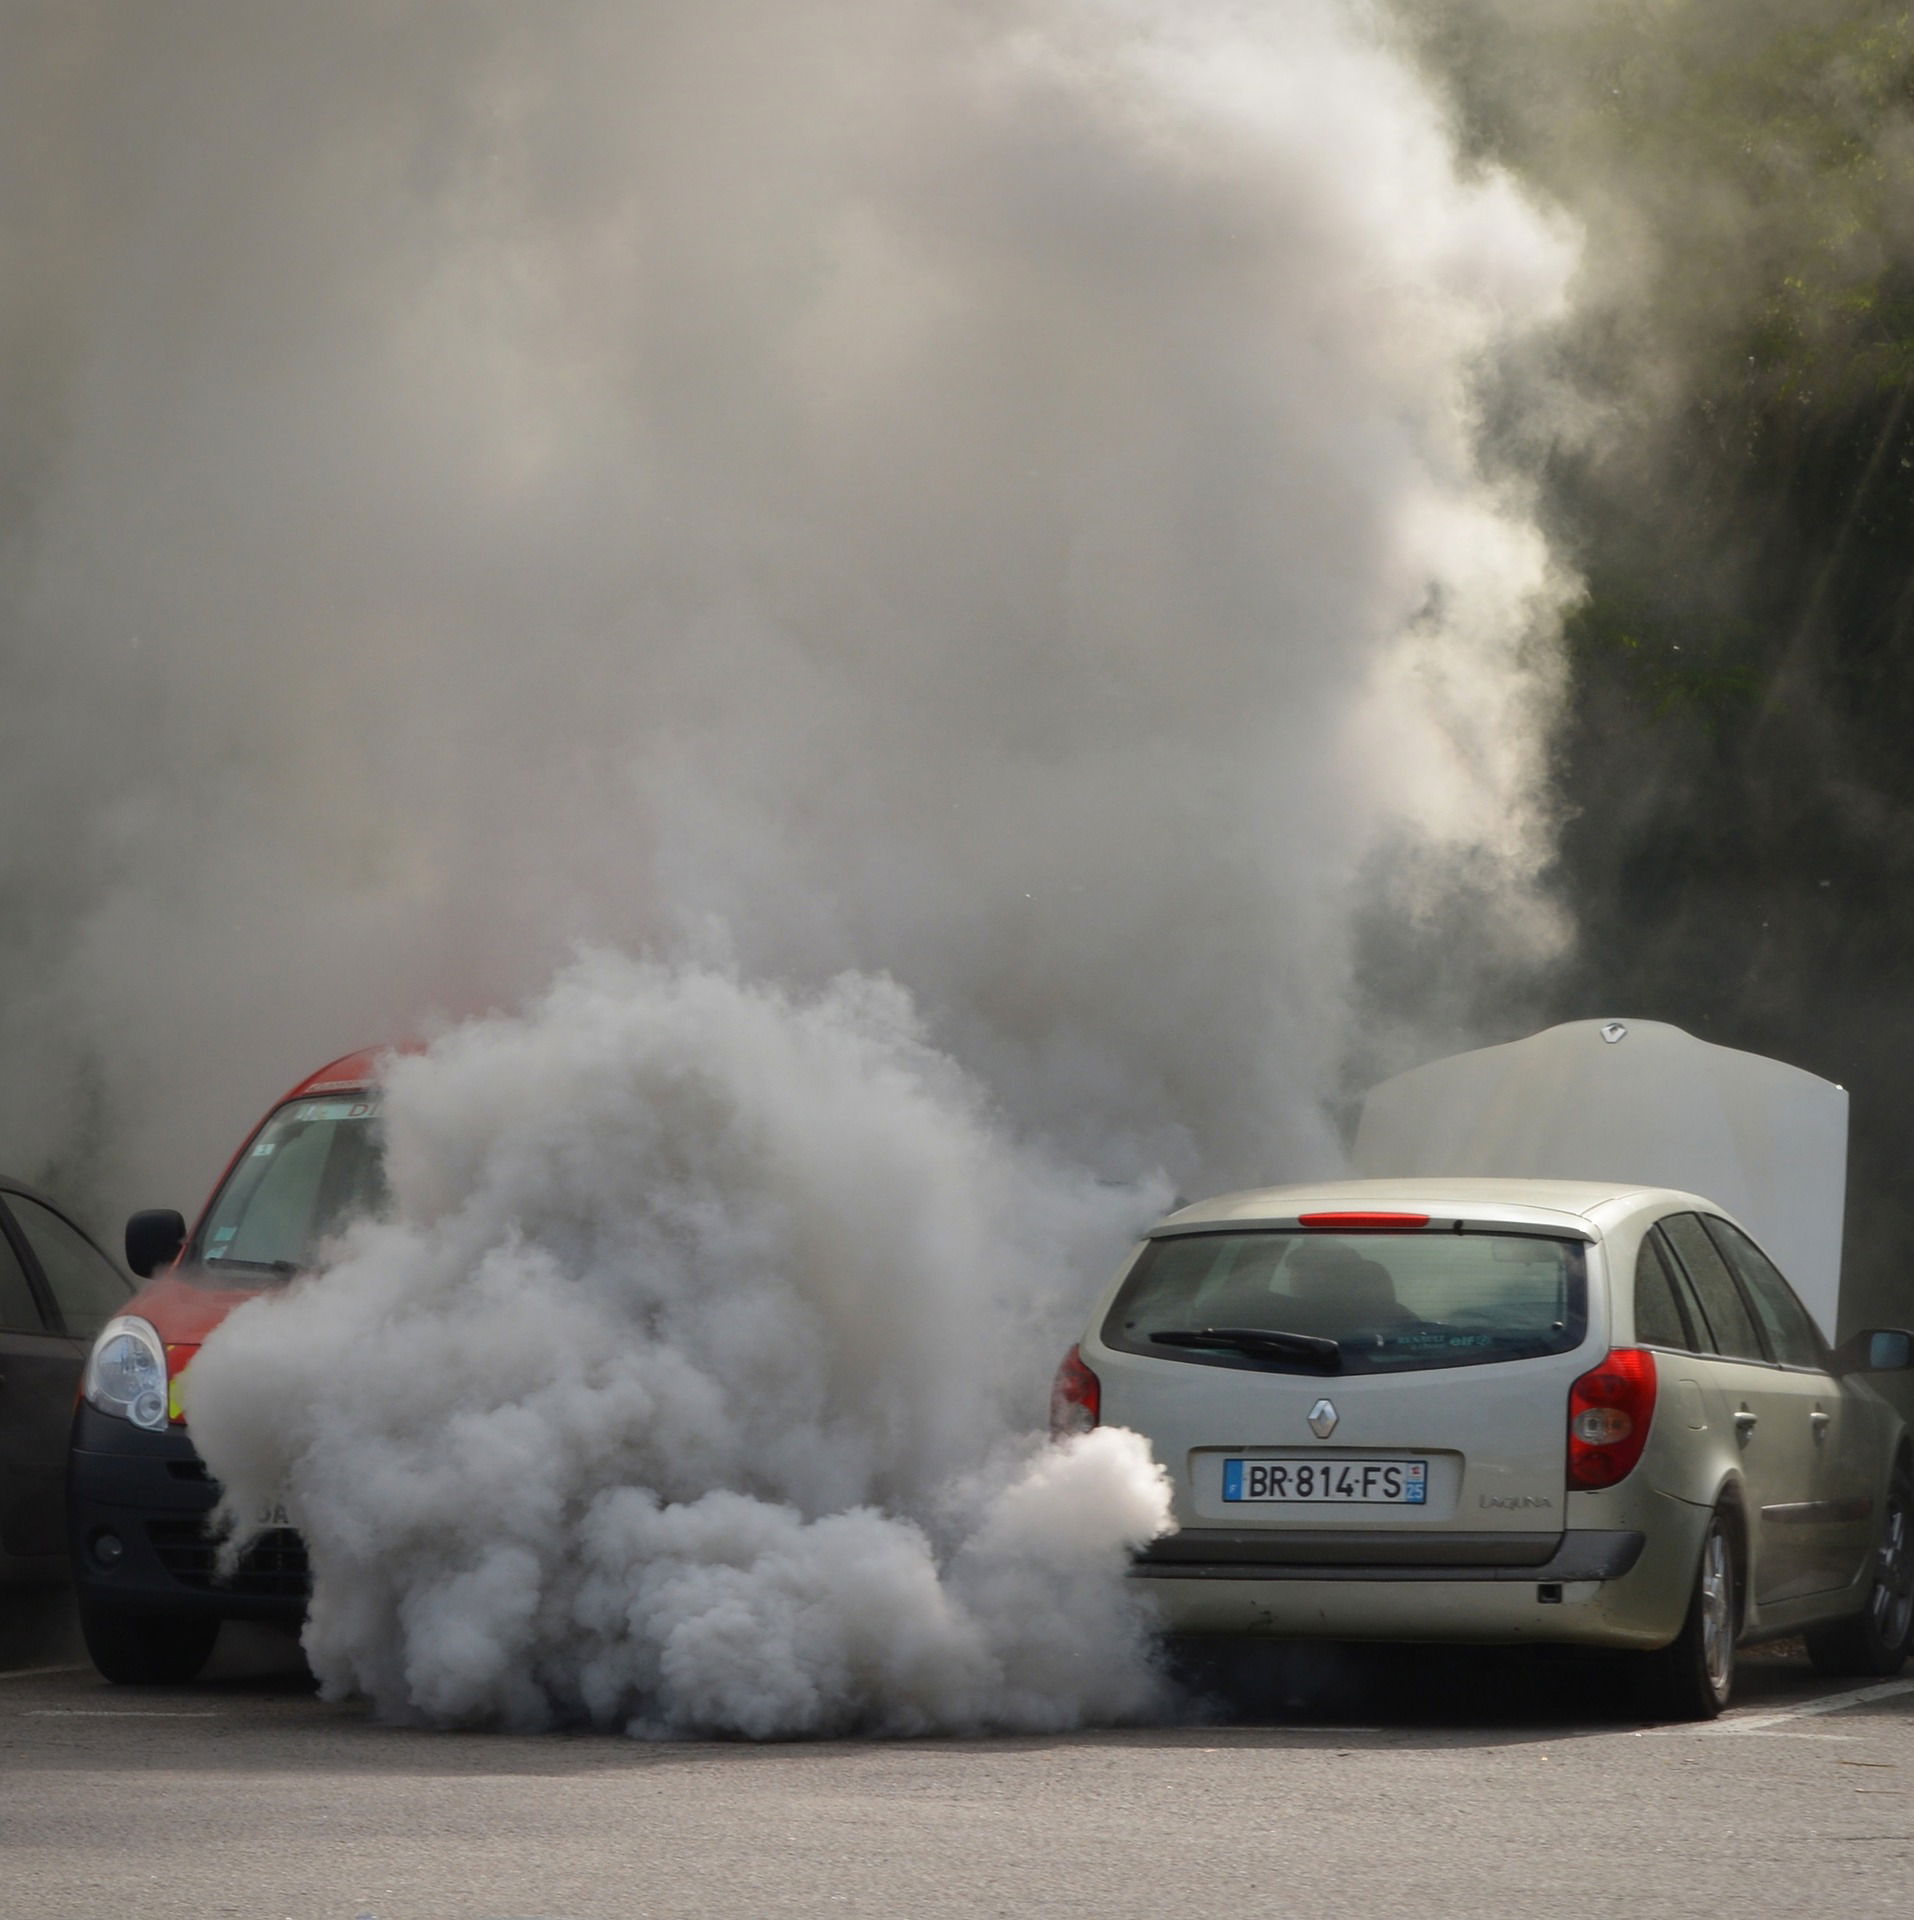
{"type": "Point", "coordinates": [1365, 1303]}
{"type": "Point", "coordinates": [313, 1167]}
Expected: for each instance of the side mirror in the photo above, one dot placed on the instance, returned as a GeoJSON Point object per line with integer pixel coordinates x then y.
{"type": "Point", "coordinates": [153, 1240]}
{"type": "Point", "coordinates": [1878, 1350]}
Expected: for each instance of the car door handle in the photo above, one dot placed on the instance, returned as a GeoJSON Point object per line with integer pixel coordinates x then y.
{"type": "Point", "coordinates": [1744, 1424]}
{"type": "Point", "coordinates": [1819, 1422]}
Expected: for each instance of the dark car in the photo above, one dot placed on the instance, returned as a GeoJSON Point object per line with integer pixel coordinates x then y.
{"type": "Point", "coordinates": [57, 1290]}
{"type": "Point", "coordinates": [151, 1595]}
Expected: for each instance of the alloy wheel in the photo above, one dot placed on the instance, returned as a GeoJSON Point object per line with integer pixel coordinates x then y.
{"type": "Point", "coordinates": [1717, 1613]}
{"type": "Point", "coordinates": [1892, 1602]}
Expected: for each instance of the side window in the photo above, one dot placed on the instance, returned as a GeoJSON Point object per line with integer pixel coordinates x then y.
{"type": "Point", "coordinates": [1734, 1329]}
{"type": "Point", "coordinates": [1790, 1330]}
{"type": "Point", "coordinates": [1659, 1319]}
{"type": "Point", "coordinates": [19, 1311]}
{"type": "Point", "coordinates": [1685, 1296]}
{"type": "Point", "coordinates": [87, 1288]}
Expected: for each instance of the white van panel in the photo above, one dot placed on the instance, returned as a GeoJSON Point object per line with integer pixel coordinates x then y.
{"type": "Point", "coordinates": [1641, 1102]}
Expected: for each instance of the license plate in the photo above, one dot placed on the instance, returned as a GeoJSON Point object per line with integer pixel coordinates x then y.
{"type": "Point", "coordinates": [1375, 1483]}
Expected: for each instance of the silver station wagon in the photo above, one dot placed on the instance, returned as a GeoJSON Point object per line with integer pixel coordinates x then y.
{"type": "Point", "coordinates": [1506, 1410]}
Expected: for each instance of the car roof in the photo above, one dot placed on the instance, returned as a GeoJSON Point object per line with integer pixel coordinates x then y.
{"type": "Point", "coordinates": [10, 1185]}
{"type": "Point", "coordinates": [351, 1071]}
{"type": "Point", "coordinates": [1573, 1205]}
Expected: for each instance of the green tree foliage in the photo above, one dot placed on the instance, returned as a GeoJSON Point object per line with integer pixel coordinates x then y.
{"type": "Point", "coordinates": [1728, 457]}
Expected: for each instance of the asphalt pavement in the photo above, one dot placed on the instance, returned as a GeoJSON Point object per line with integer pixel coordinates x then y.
{"type": "Point", "coordinates": [1424, 1784]}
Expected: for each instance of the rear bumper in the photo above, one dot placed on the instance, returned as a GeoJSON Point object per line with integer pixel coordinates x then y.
{"type": "Point", "coordinates": [1589, 1587]}
{"type": "Point", "coordinates": [1207, 1554]}
{"type": "Point", "coordinates": [151, 1494]}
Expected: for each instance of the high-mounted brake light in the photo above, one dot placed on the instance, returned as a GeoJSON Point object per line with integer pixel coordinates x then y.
{"type": "Point", "coordinates": [1362, 1222]}
{"type": "Point", "coordinates": [1609, 1411]}
{"type": "Point", "coordinates": [1076, 1398]}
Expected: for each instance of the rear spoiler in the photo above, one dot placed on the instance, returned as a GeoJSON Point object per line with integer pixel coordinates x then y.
{"type": "Point", "coordinates": [1334, 1223]}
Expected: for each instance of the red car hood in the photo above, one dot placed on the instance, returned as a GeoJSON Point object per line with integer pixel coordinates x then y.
{"type": "Point", "coordinates": [184, 1312]}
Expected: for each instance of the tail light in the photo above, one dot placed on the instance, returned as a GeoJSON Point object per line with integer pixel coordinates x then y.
{"type": "Point", "coordinates": [1609, 1411]}
{"type": "Point", "coordinates": [1076, 1398]}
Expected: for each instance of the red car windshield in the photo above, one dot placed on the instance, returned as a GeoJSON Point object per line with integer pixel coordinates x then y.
{"type": "Point", "coordinates": [312, 1168]}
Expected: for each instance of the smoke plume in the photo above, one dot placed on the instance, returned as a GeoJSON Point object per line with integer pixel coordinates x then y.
{"type": "Point", "coordinates": [983, 498]}
{"type": "Point", "coordinates": [1731, 466]}
{"type": "Point", "coordinates": [676, 1389]}
{"type": "Point", "coordinates": [981, 494]}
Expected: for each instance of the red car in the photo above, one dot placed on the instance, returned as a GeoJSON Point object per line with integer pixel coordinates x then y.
{"type": "Point", "coordinates": [138, 1495]}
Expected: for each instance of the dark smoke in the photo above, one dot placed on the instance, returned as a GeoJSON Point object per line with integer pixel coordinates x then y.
{"type": "Point", "coordinates": [1723, 423]}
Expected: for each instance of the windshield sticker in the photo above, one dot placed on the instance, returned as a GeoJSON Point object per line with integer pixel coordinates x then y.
{"type": "Point", "coordinates": [336, 1110]}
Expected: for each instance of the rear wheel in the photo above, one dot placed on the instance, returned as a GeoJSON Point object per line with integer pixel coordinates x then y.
{"type": "Point", "coordinates": [147, 1649]}
{"type": "Point", "coordinates": [1875, 1641]}
{"type": "Point", "coordinates": [1692, 1677]}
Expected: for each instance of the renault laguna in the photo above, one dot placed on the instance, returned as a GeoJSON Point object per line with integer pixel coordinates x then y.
{"type": "Point", "coordinates": [1501, 1409]}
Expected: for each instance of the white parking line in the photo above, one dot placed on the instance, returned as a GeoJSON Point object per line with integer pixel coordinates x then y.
{"type": "Point", "coordinates": [34, 1673]}
{"type": "Point", "coordinates": [1828, 1703]}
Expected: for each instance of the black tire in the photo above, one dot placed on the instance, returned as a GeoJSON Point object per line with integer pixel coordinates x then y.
{"type": "Point", "coordinates": [1875, 1641]}
{"type": "Point", "coordinates": [1692, 1677]}
{"type": "Point", "coordinates": [147, 1649]}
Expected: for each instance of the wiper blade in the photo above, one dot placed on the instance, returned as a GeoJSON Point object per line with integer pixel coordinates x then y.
{"type": "Point", "coordinates": [1263, 1342]}
{"type": "Point", "coordinates": [256, 1266]}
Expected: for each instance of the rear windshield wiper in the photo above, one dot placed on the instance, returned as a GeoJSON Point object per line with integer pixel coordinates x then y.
{"type": "Point", "coordinates": [1260, 1342]}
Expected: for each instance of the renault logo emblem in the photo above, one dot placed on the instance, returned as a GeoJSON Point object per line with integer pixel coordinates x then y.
{"type": "Point", "coordinates": [1322, 1419]}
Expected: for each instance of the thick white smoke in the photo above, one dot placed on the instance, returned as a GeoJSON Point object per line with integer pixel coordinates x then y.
{"type": "Point", "coordinates": [679, 1390]}
{"type": "Point", "coordinates": [979, 495]}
